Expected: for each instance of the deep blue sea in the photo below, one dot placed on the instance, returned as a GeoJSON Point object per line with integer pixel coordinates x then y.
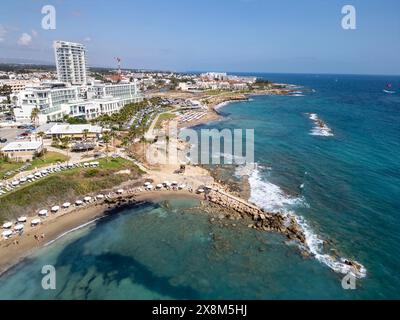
{"type": "Point", "coordinates": [341, 181]}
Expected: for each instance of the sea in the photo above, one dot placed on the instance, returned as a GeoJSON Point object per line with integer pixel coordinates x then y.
{"type": "Point", "coordinates": [328, 154]}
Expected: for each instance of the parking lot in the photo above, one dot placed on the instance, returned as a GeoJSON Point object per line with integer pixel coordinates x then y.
{"type": "Point", "coordinates": [10, 134]}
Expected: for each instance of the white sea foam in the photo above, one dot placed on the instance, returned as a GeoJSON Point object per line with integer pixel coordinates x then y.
{"type": "Point", "coordinates": [320, 128]}
{"type": "Point", "coordinates": [269, 196]}
{"type": "Point", "coordinates": [222, 104]}
{"type": "Point", "coordinates": [272, 198]}
{"type": "Point", "coordinates": [244, 170]}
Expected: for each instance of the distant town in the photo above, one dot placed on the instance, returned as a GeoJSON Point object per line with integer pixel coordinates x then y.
{"type": "Point", "coordinates": [70, 99]}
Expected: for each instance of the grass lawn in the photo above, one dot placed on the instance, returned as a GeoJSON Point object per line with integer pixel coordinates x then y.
{"type": "Point", "coordinates": [8, 166]}
{"type": "Point", "coordinates": [47, 159]}
{"type": "Point", "coordinates": [162, 117]}
{"type": "Point", "coordinates": [65, 186]}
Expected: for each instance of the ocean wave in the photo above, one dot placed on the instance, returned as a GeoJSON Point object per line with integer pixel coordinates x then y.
{"type": "Point", "coordinates": [273, 199]}
{"type": "Point", "coordinates": [73, 230]}
{"type": "Point", "coordinates": [222, 104]}
{"type": "Point", "coordinates": [229, 157]}
{"type": "Point", "coordinates": [269, 196]}
{"type": "Point", "coordinates": [320, 127]}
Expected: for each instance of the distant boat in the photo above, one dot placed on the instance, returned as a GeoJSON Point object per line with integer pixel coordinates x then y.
{"type": "Point", "coordinates": [388, 89]}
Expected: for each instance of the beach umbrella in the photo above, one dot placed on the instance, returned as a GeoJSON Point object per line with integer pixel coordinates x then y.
{"type": "Point", "coordinates": [15, 183]}
{"type": "Point", "coordinates": [166, 183]}
{"type": "Point", "coordinates": [43, 212]}
{"type": "Point", "coordinates": [200, 190]}
{"type": "Point", "coordinates": [66, 205]}
{"type": "Point", "coordinates": [147, 184]}
{"type": "Point", "coordinates": [87, 199]}
{"type": "Point", "coordinates": [182, 186]}
{"type": "Point", "coordinates": [22, 180]}
{"type": "Point", "coordinates": [150, 187]}
{"type": "Point", "coordinates": [21, 219]}
{"type": "Point", "coordinates": [159, 186]}
{"type": "Point", "coordinates": [55, 208]}
{"type": "Point", "coordinates": [31, 176]}
{"type": "Point", "coordinates": [6, 233]}
{"type": "Point", "coordinates": [120, 191]}
{"type": "Point", "coordinates": [19, 227]}
{"type": "Point", "coordinates": [78, 202]}
{"type": "Point", "coordinates": [35, 222]}
{"type": "Point", "coordinates": [100, 196]}
{"type": "Point", "coordinates": [7, 225]}
{"type": "Point", "coordinates": [86, 164]}
{"type": "Point", "coordinates": [44, 172]}
{"type": "Point", "coordinates": [174, 183]}
{"type": "Point", "coordinates": [38, 174]}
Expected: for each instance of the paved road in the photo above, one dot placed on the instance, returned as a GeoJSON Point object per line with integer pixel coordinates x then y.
{"type": "Point", "coordinates": [10, 134]}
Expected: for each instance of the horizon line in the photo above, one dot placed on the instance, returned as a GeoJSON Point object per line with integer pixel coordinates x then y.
{"type": "Point", "coordinates": [202, 71]}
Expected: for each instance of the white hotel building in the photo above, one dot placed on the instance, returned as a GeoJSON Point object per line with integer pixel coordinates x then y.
{"type": "Point", "coordinates": [58, 99]}
{"type": "Point", "coordinates": [70, 62]}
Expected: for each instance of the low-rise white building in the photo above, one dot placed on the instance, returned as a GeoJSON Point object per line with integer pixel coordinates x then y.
{"type": "Point", "coordinates": [74, 131]}
{"type": "Point", "coordinates": [22, 150]}
{"type": "Point", "coordinates": [56, 100]}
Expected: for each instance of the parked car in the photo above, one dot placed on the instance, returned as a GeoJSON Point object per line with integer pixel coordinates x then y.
{"type": "Point", "coordinates": [3, 140]}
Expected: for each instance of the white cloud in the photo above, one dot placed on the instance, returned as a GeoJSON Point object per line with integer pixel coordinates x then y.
{"type": "Point", "coordinates": [25, 39]}
{"type": "Point", "coordinates": [34, 33]}
{"type": "Point", "coordinates": [87, 39]}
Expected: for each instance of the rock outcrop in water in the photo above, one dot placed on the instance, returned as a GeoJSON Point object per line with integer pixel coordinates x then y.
{"type": "Point", "coordinates": [262, 220]}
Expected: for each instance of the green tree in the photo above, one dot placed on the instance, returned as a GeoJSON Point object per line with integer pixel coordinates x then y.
{"type": "Point", "coordinates": [41, 135]}
{"type": "Point", "coordinates": [65, 143]}
{"type": "Point", "coordinates": [107, 139]}
{"type": "Point", "coordinates": [6, 90]}
{"type": "Point", "coordinates": [35, 116]}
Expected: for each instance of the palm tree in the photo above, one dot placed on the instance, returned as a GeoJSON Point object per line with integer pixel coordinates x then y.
{"type": "Point", "coordinates": [106, 139]}
{"type": "Point", "coordinates": [85, 133]}
{"type": "Point", "coordinates": [35, 116]}
{"type": "Point", "coordinates": [65, 142]}
{"type": "Point", "coordinates": [41, 135]}
{"type": "Point", "coordinates": [113, 134]}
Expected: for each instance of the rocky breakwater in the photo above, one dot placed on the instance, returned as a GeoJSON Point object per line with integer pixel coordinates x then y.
{"type": "Point", "coordinates": [285, 224]}
{"type": "Point", "coordinates": [262, 220]}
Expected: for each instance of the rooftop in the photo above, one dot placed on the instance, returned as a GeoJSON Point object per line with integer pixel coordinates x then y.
{"type": "Point", "coordinates": [22, 146]}
{"type": "Point", "coordinates": [73, 129]}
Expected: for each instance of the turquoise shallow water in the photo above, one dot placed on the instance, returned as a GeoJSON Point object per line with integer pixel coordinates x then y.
{"type": "Point", "coordinates": [350, 196]}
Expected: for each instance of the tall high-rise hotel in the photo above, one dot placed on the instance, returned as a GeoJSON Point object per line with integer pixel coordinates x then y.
{"type": "Point", "coordinates": [70, 62]}
{"type": "Point", "coordinates": [73, 95]}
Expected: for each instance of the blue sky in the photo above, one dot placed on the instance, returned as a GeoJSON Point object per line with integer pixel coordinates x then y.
{"type": "Point", "coordinates": [221, 35]}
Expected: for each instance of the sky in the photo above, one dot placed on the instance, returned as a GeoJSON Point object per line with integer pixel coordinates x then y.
{"type": "Point", "coordinates": [285, 36]}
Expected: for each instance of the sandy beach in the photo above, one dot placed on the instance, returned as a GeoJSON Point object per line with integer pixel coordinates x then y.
{"type": "Point", "coordinates": [15, 249]}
